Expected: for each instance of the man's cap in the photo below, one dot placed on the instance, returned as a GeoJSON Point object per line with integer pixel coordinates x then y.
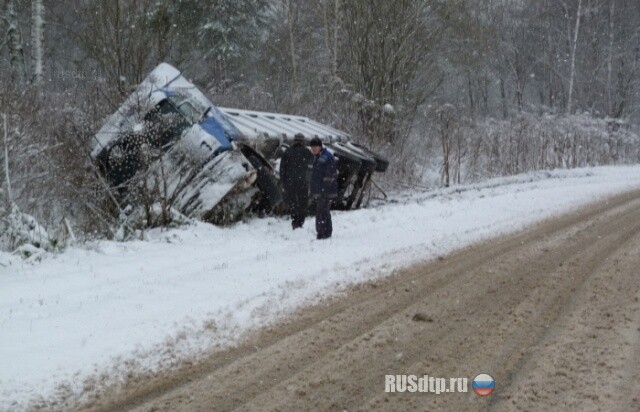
{"type": "Point", "coordinates": [315, 142]}
{"type": "Point", "coordinates": [299, 137]}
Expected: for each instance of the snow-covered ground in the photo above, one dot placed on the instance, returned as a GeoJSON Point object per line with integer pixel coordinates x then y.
{"type": "Point", "coordinates": [97, 311]}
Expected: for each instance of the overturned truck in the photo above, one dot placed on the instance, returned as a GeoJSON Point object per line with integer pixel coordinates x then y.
{"type": "Point", "coordinates": [168, 144]}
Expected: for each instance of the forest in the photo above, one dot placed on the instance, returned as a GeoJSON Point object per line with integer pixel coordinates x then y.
{"type": "Point", "coordinates": [451, 91]}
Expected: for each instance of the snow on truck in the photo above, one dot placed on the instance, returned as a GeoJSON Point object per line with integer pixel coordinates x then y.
{"type": "Point", "coordinates": [212, 163]}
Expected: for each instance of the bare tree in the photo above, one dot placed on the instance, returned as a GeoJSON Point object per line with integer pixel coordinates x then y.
{"type": "Point", "coordinates": [37, 39]}
{"type": "Point", "coordinates": [612, 4]}
{"type": "Point", "coordinates": [291, 18]}
{"type": "Point", "coordinates": [7, 178]}
{"type": "Point", "coordinates": [387, 45]}
{"type": "Point", "coordinates": [118, 36]}
{"type": "Point", "coordinates": [574, 46]}
{"type": "Point", "coordinates": [14, 36]}
{"type": "Point", "coordinates": [445, 117]}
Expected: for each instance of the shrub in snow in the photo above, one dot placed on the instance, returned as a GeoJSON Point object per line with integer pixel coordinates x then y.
{"type": "Point", "coordinates": [133, 221]}
{"type": "Point", "coordinates": [19, 229]}
{"type": "Point", "coordinates": [451, 148]}
{"type": "Point", "coordinates": [29, 252]}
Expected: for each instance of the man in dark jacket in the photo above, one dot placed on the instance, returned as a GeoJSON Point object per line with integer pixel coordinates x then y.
{"type": "Point", "coordinates": [324, 187]}
{"type": "Point", "coordinates": [294, 174]}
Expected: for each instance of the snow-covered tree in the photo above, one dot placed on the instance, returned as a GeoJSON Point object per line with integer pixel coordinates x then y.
{"type": "Point", "coordinates": [229, 30]}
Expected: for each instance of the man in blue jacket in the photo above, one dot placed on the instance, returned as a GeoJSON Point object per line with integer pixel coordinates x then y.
{"type": "Point", "coordinates": [324, 187]}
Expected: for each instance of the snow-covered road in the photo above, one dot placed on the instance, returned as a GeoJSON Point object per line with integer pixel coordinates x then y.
{"type": "Point", "coordinates": [95, 312]}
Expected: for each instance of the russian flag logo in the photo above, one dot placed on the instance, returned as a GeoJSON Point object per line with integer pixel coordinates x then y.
{"type": "Point", "coordinates": [483, 384]}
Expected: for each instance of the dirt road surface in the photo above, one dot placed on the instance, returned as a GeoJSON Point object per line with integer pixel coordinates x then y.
{"type": "Point", "coordinates": [551, 313]}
